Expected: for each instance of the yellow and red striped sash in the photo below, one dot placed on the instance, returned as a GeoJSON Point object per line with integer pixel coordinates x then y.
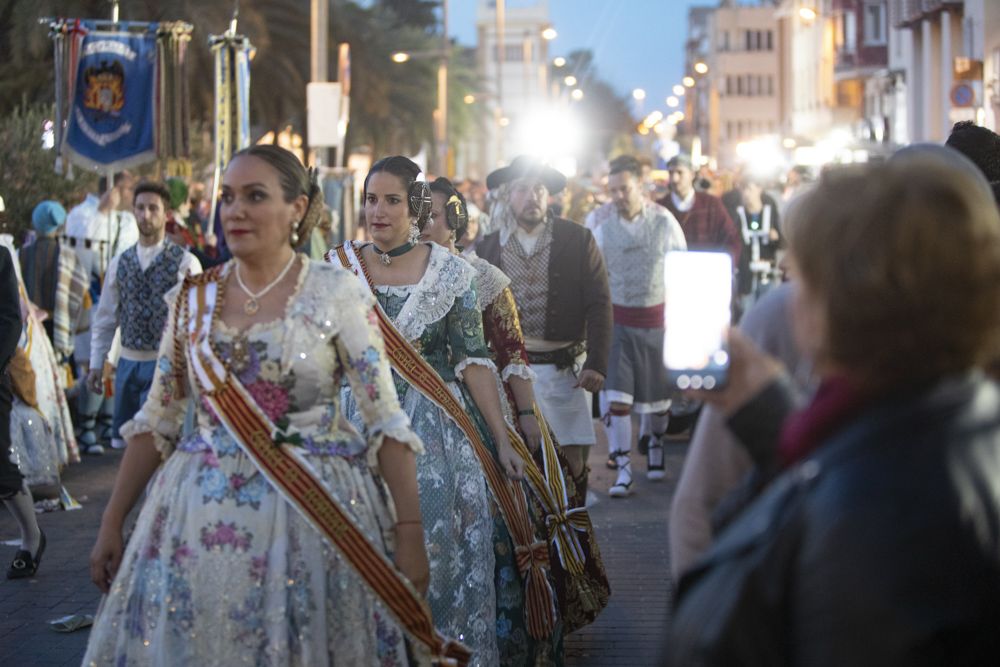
{"type": "Point", "coordinates": [290, 473]}
{"type": "Point", "coordinates": [532, 556]}
{"type": "Point", "coordinates": [549, 488]}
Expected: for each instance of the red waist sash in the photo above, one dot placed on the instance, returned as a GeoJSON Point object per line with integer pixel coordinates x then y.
{"type": "Point", "coordinates": [643, 317]}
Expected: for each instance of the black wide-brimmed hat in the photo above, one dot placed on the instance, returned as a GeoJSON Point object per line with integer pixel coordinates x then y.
{"type": "Point", "coordinates": [522, 166]}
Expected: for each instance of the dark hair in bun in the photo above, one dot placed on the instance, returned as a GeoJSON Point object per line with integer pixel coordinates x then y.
{"type": "Point", "coordinates": [418, 194]}
{"type": "Point", "coordinates": [456, 210]}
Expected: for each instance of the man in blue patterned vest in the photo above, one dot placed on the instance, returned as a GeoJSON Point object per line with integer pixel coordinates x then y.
{"type": "Point", "coordinates": [132, 301]}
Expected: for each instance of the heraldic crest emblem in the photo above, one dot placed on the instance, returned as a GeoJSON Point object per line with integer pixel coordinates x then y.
{"type": "Point", "coordinates": [105, 90]}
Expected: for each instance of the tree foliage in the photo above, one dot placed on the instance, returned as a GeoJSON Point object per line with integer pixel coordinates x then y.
{"type": "Point", "coordinates": [27, 176]}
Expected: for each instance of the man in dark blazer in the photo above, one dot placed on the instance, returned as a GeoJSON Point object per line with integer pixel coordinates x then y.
{"type": "Point", "coordinates": [13, 490]}
{"type": "Point", "coordinates": [560, 285]}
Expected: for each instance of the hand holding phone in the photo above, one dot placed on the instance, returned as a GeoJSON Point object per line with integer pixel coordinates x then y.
{"type": "Point", "coordinates": [750, 371]}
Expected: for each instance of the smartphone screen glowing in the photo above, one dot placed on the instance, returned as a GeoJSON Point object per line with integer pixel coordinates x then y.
{"type": "Point", "coordinates": [696, 318]}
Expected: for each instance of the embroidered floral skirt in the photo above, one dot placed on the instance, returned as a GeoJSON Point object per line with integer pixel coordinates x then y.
{"type": "Point", "coordinates": [458, 526]}
{"type": "Point", "coordinates": [220, 570]}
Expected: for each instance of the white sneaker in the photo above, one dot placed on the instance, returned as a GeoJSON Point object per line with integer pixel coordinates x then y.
{"type": "Point", "coordinates": [654, 463]}
{"type": "Point", "coordinates": [117, 443]}
{"type": "Point", "coordinates": [623, 485]}
{"type": "Point", "coordinates": [94, 449]}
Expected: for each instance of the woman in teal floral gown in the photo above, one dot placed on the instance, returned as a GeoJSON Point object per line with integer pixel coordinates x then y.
{"type": "Point", "coordinates": [476, 592]}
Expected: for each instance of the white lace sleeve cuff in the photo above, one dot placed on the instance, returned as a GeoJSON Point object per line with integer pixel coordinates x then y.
{"type": "Point", "coordinates": [398, 428]}
{"type": "Point", "coordinates": [164, 437]}
{"type": "Point", "coordinates": [518, 369]}
{"type": "Point", "coordinates": [468, 361]}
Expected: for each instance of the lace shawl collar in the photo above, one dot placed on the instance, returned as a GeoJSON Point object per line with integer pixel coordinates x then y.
{"type": "Point", "coordinates": [447, 277]}
{"type": "Point", "coordinates": [490, 281]}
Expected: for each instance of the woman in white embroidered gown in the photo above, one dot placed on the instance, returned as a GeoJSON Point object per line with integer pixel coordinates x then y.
{"type": "Point", "coordinates": [220, 569]}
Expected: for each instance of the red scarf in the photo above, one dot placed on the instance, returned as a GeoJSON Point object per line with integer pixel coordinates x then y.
{"type": "Point", "coordinates": [836, 401]}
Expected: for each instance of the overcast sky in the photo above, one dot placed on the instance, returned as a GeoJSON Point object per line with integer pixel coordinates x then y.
{"type": "Point", "coordinates": [636, 43]}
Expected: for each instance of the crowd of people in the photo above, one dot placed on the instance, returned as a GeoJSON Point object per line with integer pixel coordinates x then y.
{"type": "Point", "coordinates": [381, 456]}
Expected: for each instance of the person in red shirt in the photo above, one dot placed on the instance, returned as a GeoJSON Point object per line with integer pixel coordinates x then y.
{"type": "Point", "coordinates": [704, 219]}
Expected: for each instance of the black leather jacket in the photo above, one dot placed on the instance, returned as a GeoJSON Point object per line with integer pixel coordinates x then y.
{"type": "Point", "coordinates": [882, 548]}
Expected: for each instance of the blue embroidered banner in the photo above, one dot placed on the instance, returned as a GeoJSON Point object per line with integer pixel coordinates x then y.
{"type": "Point", "coordinates": [111, 122]}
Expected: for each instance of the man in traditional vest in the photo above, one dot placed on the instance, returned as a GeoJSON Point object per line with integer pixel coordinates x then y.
{"type": "Point", "coordinates": [133, 300]}
{"type": "Point", "coordinates": [561, 289]}
{"type": "Point", "coordinates": [634, 235]}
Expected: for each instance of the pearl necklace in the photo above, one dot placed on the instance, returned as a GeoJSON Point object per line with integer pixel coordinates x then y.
{"type": "Point", "coordinates": [252, 304]}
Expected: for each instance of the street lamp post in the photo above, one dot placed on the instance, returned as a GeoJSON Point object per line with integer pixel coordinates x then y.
{"type": "Point", "coordinates": [500, 27]}
{"type": "Point", "coordinates": [319, 33]}
{"type": "Point", "coordinates": [442, 110]}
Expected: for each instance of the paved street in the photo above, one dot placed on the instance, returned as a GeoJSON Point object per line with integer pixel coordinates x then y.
{"type": "Point", "coordinates": [632, 534]}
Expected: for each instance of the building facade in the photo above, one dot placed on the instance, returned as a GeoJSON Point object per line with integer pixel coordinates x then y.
{"type": "Point", "coordinates": [953, 69]}
{"type": "Point", "coordinates": [512, 58]}
{"type": "Point", "coordinates": [746, 73]}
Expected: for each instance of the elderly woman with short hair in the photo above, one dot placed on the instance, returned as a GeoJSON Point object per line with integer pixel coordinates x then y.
{"type": "Point", "coordinates": [878, 540]}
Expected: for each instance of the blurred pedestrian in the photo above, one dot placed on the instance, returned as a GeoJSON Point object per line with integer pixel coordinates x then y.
{"type": "Point", "coordinates": [716, 465]}
{"type": "Point", "coordinates": [13, 489]}
{"type": "Point", "coordinates": [55, 280]}
{"type": "Point", "coordinates": [982, 146]}
{"type": "Point", "coordinates": [757, 216]}
{"type": "Point", "coordinates": [105, 222]}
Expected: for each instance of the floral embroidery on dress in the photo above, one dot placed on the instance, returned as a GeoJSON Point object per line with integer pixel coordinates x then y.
{"type": "Point", "coordinates": [215, 537]}
{"type": "Point", "coordinates": [367, 364]}
{"type": "Point", "coordinates": [502, 327]}
{"type": "Point", "coordinates": [225, 535]}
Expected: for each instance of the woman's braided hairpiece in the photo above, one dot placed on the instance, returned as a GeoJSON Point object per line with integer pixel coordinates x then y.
{"type": "Point", "coordinates": [314, 213]}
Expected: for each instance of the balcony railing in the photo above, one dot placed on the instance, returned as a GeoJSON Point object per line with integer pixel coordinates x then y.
{"type": "Point", "coordinates": [908, 13]}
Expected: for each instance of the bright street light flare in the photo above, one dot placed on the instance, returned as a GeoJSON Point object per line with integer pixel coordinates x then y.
{"type": "Point", "coordinates": [570, 80]}
{"type": "Point", "coordinates": [688, 81]}
{"type": "Point", "coordinates": [807, 14]}
{"type": "Point", "coordinates": [549, 34]}
{"type": "Point", "coordinates": [504, 122]}
{"type": "Point", "coordinates": [400, 57]}
{"type": "Point", "coordinates": [672, 101]}
{"type": "Point", "coordinates": [559, 62]}
{"type": "Point", "coordinates": [577, 94]}
{"type": "Point", "coordinates": [678, 90]}
{"type": "Point", "coordinates": [653, 118]}
{"type": "Point", "coordinates": [469, 99]}
{"type": "Point", "coordinates": [639, 94]}
{"type": "Point", "coordinates": [701, 68]}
